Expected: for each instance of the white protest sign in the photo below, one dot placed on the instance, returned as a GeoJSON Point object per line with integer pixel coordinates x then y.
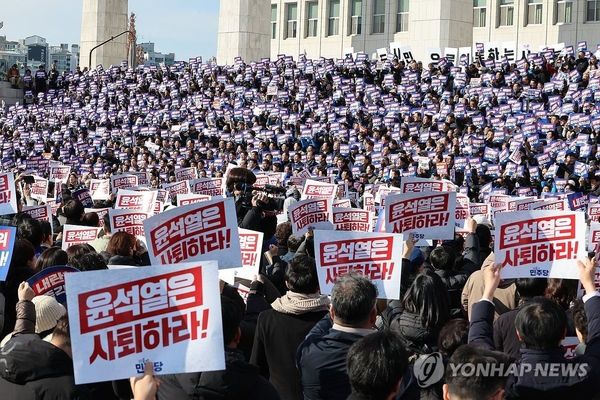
{"type": "Point", "coordinates": [411, 184]}
{"type": "Point", "coordinates": [170, 314]}
{"type": "Point", "coordinates": [136, 200]}
{"type": "Point", "coordinates": [100, 189]}
{"type": "Point", "coordinates": [40, 213]}
{"type": "Point", "coordinates": [130, 221]}
{"type": "Point", "coordinates": [196, 232]}
{"type": "Point", "coordinates": [463, 212]}
{"type": "Point", "coordinates": [8, 194]}
{"type": "Point", "coordinates": [594, 237]}
{"type": "Point", "coordinates": [123, 182]}
{"type": "Point", "coordinates": [543, 244]}
{"type": "Point", "coordinates": [186, 174]}
{"type": "Point", "coordinates": [251, 246]}
{"type": "Point", "coordinates": [208, 186]}
{"type": "Point", "coordinates": [39, 189]}
{"type": "Point", "coordinates": [191, 198]}
{"type": "Point", "coordinates": [59, 173]}
{"type": "Point", "coordinates": [377, 256]}
{"type": "Point", "coordinates": [344, 203]}
{"type": "Point", "coordinates": [76, 234]}
{"type": "Point", "coordinates": [428, 215]}
{"type": "Point", "coordinates": [311, 213]}
{"type": "Point", "coordinates": [352, 219]}
{"type": "Point", "coordinates": [318, 190]}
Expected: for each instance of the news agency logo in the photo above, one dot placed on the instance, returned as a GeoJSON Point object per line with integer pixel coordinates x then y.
{"type": "Point", "coordinates": [538, 370]}
{"type": "Point", "coordinates": [429, 369]}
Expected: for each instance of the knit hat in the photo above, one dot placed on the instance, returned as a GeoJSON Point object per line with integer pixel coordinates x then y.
{"type": "Point", "coordinates": [47, 312]}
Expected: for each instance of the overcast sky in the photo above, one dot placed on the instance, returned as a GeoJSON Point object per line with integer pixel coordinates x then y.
{"type": "Point", "coordinates": [186, 27]}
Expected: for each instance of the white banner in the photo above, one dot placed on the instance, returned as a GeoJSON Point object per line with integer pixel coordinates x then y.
{"type": "Point", "coordinates": [136, 200]}
{"type": "Point", "coordinates": [196, 232]}
{"type": "Point", "coordinates": [378, 256]}
{"type": "Point", "coordinates": [76, 234]}
{"type": "Point", "coordinates": [318, 190]}
{"type": "Point", "coordinates": [8, 194]}
{"type": "Point", "coordinates": [170, 314]}
{"type": "Point", "coordinates": [544, 244]}
{"type": "Point", "coordinates": [130, 221]}
{"type": "Point", "coordinates": [311, 213]}
{"type": "Point", "coordinates": [352, 219]}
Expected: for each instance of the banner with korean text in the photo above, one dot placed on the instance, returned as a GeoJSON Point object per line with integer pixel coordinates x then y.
{"type": "Point", "coordinates": [428, 215]}
{"type": "Point", "coordinates": [543, 244]}
{"type": "Point", "coordinates": [8, 235]}
{"type": "Point", "coordinates": [318, 190]}
{"type": "Point", "coordinates": [352, 219]}
{"type": "Point", "coordinates": [168, 314]}
{"type": "Point", "coordinates": [8, 194]}
{"type": "Point", "coordinates": [77, 234]}
{"type": "Point", "coordinates": [377, 256]}
{"type": "Point", "coordinates": [51, 282]}
{"type": "Point", "coordinates": [130, 221]}
{"type": "Point", "coordinates": [136, 200]}
{"type": "Point", "coordinates": [196, 232]}
{"type": "Point", "coordinates": [251, 245]}
{"type": "Point", "coordinates": [311, 213]}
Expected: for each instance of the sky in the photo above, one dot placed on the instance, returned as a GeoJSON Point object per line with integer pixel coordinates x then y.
{"type": "Point", "coordinates": [187, 28]}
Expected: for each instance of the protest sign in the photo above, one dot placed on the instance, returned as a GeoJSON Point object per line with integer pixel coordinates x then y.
{"type": "Point", "coordinates": [191, 198]}
{"type": "Point", "coordinates": [411, 184]}
{"type": "Point", "coordinates": [100, 189]}
{"type": "Point", "coordinates": [40, 213]}
{"type": "Point", "coordinates": [84, 197]}
{"type": "Point", "coordinates": [352, 219]}
{"type": "Point", "coordinates": [170, 314]}
{"type": "Point", "coordinates": [369, 202]}
{"type": "Point", "coordinates": [594, 237]}
{"type": "Point", "coordinates": [594, 212]}
{"type": "Point", "coordinates": [463, 213]}
{"type": "Point", "coordinates": [318, 190]}
{"type": "Point", "coordinates": [498, 203]}
{"type": "Point", "coordinates": [59, 173]}
{"type": "Point", "coordinates": [7, 243]}
{"type": "Point", "coordinates": [196, 232]}
{"type": "Point", "coordinates": [311, 213]}
{"type": "Point", "coordinates": [428, 215]}
{"type": "Point", "coordinates": [8, 194]}
{"type": "Point", "coordinates": [549, 204]}
{"type": "Point", "coordinates": [208, 186]}
{"type": "Point", "coordinates": [577, 201]}
{"type": "Point", "coordinates": [39, 189]}
{"type": "Point", "coordinates": [136, 200]}
{"type": "Point", "coordinates": [176, 188]}
{"type": "Point", "coordinates": [129, 221]}
{"type": "Point", "coordinates": [377, 256]}
{"type": "Point", "coordinates": [75, 234]}
{"type": "Point", "coordinates": [342, 203]}
{"type": "Point", "coordinates": [480, 209]}
{"type": "Point", "coordinates": [123, 182]}
{"type": "Point", "coordinates": [186, 174]}
{"type": "Point", "coordinates": [251, 245]}
{"type": "Point", "coordinates": [51, 282]}
{"type": "Point", "coordinates": [543, 244]}
{"type": "Point", "coordinates": [383, 192]}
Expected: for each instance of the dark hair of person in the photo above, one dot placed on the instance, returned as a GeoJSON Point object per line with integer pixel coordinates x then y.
{"type": "Point", "coordinates": [375, 365]}
{"type": "Point", "coordinates": [51, 257]}
{"type": "Point", "coordinates": [239, 175]}
{"type": "Point", "coordinates": [23, 253]}
{"type": "Point", "coordinates": [121, 244]}
{"type": "Point", "coordinates": [73, 211]}
{"type": "Point", "coordinates": [427, 297]}
{"type": "Point", "coordinates": [541, 324]}
{"type": "Point", "coordinates": [90, 219]}
{"type": "Point", "coordinates": [89, 262]}
{"type": "Point", "coordinates": [310, 246]}
{"type": "Point", "coordinates": [31, 230]}
{"type": "Point", "coordinates": [232, 318]}
{"type": "Point", "coordinates": [353, 297]}
{"type": "Point", "coordinates": [61, 330]}
{"type": "Point", "coordinates": [294, 242]}
{"type": "Point", "coordinates": [443, 257]}
{"type": "Point", "coordinates": [453, 334]}
{"type": "Point", "coordinates": [475, 386]}
{"type": "Point", "coordinates": [580, 318]}
{"type": "Point", "coordinates": [485, 236]}
{"type": "Point", "coordinates": [562, 291]}
{"type": "Point", "coordinates": [531, 287]}
{"type": "Point", "coordinates": [77, 251]}
{"type": "Point", "coordinates": [106, 220]}
{"type": "Point", "coordinates": [301, 275]}
{"type": "Point", "coordinates": [282, 233]}
{"type": "Point", "coordinates": [46, 230]}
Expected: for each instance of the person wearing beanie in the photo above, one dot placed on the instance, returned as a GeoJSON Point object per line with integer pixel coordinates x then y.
{"type": "Point", "coordinates": [47, 313]}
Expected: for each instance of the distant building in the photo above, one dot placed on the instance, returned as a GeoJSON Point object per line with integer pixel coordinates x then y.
{"type": "Point", "coordinates": [152, 57]}
{"type": "Point", "coordinates": [65, 59]}
{"type": "Point", "coordinates": [37, 51]}
{"type": "Point", "coordinates": [11, 52]}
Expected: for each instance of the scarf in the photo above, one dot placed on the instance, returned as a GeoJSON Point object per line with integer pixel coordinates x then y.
{"type": "Point", "coordinates": [299, 303]}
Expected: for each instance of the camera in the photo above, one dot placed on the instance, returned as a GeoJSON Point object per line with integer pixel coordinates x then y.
{"type": "Point", "coordinates": [274, 203]}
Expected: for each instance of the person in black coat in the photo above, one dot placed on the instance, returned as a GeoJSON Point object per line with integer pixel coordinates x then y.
{"type": "Point", "coordinates": [541, 325]}
{"type": "Point", "coordinates": [321, 357]}
{"type": "Point", "coordinates": [280, 330]}
{"type": "Point", "coordinates": [33, 368]}
{"type": "Point", "coordinates": [505, 336]}
{"type": "Point", "coordinates": [239, 380]}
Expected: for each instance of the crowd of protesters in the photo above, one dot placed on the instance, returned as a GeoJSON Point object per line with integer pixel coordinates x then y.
{"type": "Point", "coordinates": [520, 128]}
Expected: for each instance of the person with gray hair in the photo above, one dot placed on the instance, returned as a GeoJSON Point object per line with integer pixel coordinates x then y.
{"type": "Point", "coordinates": [321, 358]}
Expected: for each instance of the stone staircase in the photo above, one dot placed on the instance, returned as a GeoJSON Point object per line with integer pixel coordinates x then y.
{"type": "Point", "coordinates": [10, 95]}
